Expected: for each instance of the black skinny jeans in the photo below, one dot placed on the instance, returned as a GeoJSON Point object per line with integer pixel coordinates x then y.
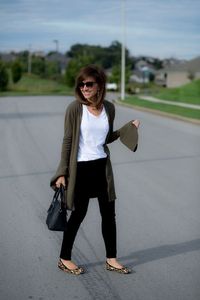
{"type": "Point", "coordinates": [91, 182]}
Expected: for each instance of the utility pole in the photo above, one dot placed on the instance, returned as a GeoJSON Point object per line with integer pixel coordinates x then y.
{"type": "Point", "coordinates": [123, 62]}
{"type": "Point", "coordinates": [57, 60]}
{"type": "Point", "coordinates": [29, 60]}
{"type": "Point", "coordinates": [57, 45]}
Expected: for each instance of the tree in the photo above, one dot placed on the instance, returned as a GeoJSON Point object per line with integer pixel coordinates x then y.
{"type": "Point", "coordinates": [74, 66]}
{"type": "Point", "coordinates": [38, 65]}
{"type": "Point", "coordinates": [106, 57]}
{"type": "Point", "coordinates": [151, 77]}
{"type": "Point", "coordinates": [16, 70]}
{"type": "Point", "coordinates": [191, 75]}
{"type": "Point", "coordinates": [158, 64]}
{"type": "Point", "coordinates": [116, 74]}
{"type": "Point", "coordinates": [114, 51]}
{"type": "Point", "coordinates": [4, 79]}
{"type": "Point", "coordinates": [23, 58]}
{"type": "Point", "coordinates": [52, 69]}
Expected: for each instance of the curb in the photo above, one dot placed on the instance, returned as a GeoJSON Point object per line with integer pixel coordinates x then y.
{"type": "Point", "coordinates": [158, 112]}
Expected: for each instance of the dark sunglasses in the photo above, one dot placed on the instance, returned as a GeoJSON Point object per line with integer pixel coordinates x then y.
{"type": "Point", "coordinates": [88, 84]}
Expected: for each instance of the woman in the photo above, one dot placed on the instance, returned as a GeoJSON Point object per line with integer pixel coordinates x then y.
{"type": "Point", "coordinates": [85, 168]}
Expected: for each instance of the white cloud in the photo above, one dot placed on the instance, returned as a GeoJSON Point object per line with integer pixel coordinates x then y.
{"type": "Point", "coordinates": [170, 25]}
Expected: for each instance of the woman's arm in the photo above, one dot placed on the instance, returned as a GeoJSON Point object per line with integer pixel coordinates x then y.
{"type": "Point", "coordinates": [114, 135]}
{"type": "Point", "coordinates": [128, 133]}
{"type": "Point", "coordinates": [63, 168]}
{"type": "Point", "coordinates": [136, 123]}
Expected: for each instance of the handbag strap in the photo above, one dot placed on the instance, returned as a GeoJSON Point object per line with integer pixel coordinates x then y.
{"type": "Point", "coordinates": [56, 194]}
{"type": "Point", "coordinates": [60, 192]}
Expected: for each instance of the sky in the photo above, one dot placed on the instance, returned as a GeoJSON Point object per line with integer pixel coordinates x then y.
{"type": "Point", "coordinates": [157, 28]}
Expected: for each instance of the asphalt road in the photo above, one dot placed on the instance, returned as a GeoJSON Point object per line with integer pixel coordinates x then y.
{"type": "Point", "coordinates": [157, 209]}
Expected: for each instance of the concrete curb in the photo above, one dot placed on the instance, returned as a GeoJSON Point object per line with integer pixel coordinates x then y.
{"type": "Point", "coordinates": [158, 112]}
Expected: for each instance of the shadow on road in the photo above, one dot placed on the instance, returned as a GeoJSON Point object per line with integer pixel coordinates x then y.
{"type": "Point", "coordinates": [116, 164]}
{"type": "Point", "coordinates": [156, 253]}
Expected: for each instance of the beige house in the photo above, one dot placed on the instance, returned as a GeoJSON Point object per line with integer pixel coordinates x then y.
{"type": "Point", "coordinates": [180, 74]}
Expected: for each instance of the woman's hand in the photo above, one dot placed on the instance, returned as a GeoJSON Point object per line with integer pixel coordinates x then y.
{"type": "Point", "coordinates": [136, 123]}
{"type": "Point", "coordinates": [60, 180]}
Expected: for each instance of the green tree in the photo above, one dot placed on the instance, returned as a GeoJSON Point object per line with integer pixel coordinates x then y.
{"type": "Point", "coordinates": [158, 64]}
{"type": "Point", "coordinates": [114, 51]}
{"type": "Point", "coordinates": [23, 58]}
{"type": "Point", "coordinates": [116, 74]}
{"type": "Point", "coordinates": [16, 70]}
{"type": "Point", "coordinates": [74, 65]}
{"type": "Point", "coordinates": [191, 75]}
{"type": "Point", "coordinates": [38, 66]}
{"type": "Point", "coordinates": [106, 57]}
{"type": "Point", "coordinates": [52, 69]}
{"type": "Point", "coordinates": [4, 78]}
{"type": "Point", "coordinates": [151, 77]}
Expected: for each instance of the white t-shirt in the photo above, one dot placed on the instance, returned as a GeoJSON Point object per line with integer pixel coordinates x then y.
{"type": "Point", "coordinates": [93, 132]}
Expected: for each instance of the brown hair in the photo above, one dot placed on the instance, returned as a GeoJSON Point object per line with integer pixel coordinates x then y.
{"type": "Point", "coordinates": [100, 77]}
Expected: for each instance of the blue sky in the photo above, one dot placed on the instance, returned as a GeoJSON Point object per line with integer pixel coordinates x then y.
{"type": "Point", "coordinates": [159, 28]}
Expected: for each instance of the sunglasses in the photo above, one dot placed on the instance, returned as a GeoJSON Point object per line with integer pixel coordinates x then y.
{"type": "Point", "coordinates": [88, 84]}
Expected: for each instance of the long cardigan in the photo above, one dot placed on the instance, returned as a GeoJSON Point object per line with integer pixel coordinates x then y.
{"type": "Point", "coordinates": [68, 162]}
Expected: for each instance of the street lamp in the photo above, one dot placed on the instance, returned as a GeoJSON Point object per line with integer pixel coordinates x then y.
{"type": "Point", "coordinates": [57, 45]}
{"type": "Point", "coordinates": [123, 51]}
{"type": "Point", "coordinates": [29, 60]}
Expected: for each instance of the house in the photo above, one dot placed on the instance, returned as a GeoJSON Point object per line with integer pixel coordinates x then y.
{"type": "Point", "coordinates": [59, 58]}
{"type": "Point", "coordinates": [38, 53]}
{"type": "Point", "coordinates": [179, 74]}
{"type": "Point", "coordinates": [8, 57]}
{"type": "Point", "coordinates": [142, 71]}
{"type": "Point", "coordinates": [137, 76]}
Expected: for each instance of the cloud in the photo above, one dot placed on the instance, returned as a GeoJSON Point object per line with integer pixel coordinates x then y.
{"type": "Point", "coordinates": [148, 22]}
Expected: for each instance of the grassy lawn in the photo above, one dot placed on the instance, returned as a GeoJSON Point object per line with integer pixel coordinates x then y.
{"type": "Point", "coordinates": [34, 85]}
{"type": "Point", "coordinates": [189, 93]}
{"type": "Point", "coordinates": [176, 110]}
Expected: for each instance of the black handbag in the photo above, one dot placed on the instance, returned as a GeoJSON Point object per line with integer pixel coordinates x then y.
{"type": "Point", "coordinates": [57, 213]}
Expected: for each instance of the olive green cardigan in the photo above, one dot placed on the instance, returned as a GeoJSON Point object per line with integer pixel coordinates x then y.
{"type": "Point", "coordinates": [68, 163]}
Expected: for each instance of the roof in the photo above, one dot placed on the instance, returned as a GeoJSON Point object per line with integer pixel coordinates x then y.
{"type": "Point", "coordinates": [191, 65]}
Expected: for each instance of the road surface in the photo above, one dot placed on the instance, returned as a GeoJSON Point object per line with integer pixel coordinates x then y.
{"type": "Point", "coordinates": [157, 209]}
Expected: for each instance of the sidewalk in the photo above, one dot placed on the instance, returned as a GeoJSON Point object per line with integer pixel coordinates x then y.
{"type": "Point", "coordinates": [152, 99]}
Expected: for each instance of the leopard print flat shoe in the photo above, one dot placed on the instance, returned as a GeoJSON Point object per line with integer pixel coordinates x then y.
{"type": "Point", "coordinates": [123, 270]}
{"type": "Point", "coordinates": [64, 268]}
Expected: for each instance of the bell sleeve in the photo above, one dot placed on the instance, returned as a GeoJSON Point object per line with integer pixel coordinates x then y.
{"type": "Point", "coordinates": [129, 136]}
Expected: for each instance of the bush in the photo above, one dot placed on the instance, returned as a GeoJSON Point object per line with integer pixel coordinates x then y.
{"type": "Point", "coordinates": [38, 66]}
{"type": "Point", "coordinates": [16, 71]}
{"type": "Point", "coordinates": [4, 78]}
{"type": "Point", "coordinates": [52, 70]}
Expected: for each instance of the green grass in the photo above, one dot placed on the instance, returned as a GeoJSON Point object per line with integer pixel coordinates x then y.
{"type": "Point", "coordinates": [34, 85]}
{"type": "Point", "coordinates": [176, 110]}
{"type": "Point", "coordinates": [189, 93]}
